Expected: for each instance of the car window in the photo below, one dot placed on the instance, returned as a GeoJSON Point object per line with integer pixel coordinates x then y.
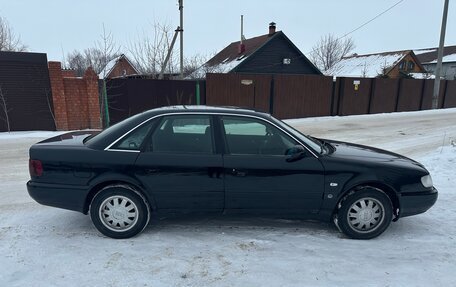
{"type": "Point", "coordinates": [134, 139]}
{"type": "Point", "coordinates": [183, 134]}
{"type": "Point", "coordinates": [115, 131]}
{"type": "Point", "coordinates": [312, 143]}
{"type": "Point", "coordinates": [251, 136]}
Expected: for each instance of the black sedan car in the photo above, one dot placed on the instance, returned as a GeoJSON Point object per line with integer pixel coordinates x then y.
{"type": "Point", "coordinates": [197, 159]}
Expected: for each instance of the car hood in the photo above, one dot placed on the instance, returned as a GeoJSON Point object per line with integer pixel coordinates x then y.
{"type": "Point", "coordinates": [372, 155]}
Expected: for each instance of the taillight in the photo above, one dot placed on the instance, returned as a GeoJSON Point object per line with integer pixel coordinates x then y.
{"type": "Point", "coordinates": [35, 167]}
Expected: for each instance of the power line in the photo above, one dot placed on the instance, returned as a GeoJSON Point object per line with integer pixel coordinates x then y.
{"type": "Point", "coordinates": [364, 24]}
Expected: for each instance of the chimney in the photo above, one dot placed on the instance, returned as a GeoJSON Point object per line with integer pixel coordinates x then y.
{"type": "Point", "coordinates": [272, 28]}
{"type": "Point", "coordinates": [241, 48]}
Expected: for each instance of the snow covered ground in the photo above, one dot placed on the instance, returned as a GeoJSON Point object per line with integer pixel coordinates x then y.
{"type": "Point", "coordinates": [44, 246]}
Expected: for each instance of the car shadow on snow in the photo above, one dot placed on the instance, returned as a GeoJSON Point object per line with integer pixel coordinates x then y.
{"type": "Point", "coordinates": [75, 223]}
{"type": "Point", "coordinates": [239, 225]}
{"type": "Point", "coordinates": [72, 224]}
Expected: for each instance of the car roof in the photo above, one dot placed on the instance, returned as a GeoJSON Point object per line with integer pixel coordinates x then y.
{"type": "Point", "coordinates": [204, 109]}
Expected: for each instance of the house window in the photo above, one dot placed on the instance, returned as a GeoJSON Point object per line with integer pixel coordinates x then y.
{"type": "Point", "coordinates": [410, 65]}
{"type": "Point", "coordinates": [402, 65]}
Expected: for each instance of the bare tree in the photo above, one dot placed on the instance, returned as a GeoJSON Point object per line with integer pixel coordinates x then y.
{"type": "Point", "coordinates": [76, 61]}
{"type": "Point", "coordinates": [5, 110]}
{"type": "Point", "coordinates": [149, 51]}
{"type": "Point", "coordinates": [105, 51]}
{"type": "Point", "coordinates": [8, 40]}
{"type": "Point", "coordinates": [195, 66]}
{"type": "Point", "coordinates": [383, 73]}
{"type": "Point", "coordinates": [49, 104]}
{"type": "Point", "coordinates": [97, 57]}
{"type": "Point", "coordinates": [364, 71]}
{"type": "Point", "coordinates": [330, 50]}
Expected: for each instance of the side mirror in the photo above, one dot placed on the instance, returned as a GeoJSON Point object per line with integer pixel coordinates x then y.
{"type": "Point", "coordinates": [295, 153]}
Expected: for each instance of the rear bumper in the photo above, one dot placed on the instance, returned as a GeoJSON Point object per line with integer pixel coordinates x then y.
{"type": "Point", "coordinates": [417, 202]}
{"type": "Point", "coordinates": [58, 195]}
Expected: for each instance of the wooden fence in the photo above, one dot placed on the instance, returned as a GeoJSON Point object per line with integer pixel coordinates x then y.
{"type": "Point", "coordinates": [129, 96]}
{"type": "Point", "coordinates": [25, 92]}
{"type": "Point", "coordinates": [295, 96]}
{"type": "Point", "coordinates": [284, 96]}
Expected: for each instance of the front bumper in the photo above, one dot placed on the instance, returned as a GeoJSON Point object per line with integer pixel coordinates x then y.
{"type": "Point", "coordinates": [417, 202]}
{"type": "Point", "coordinates": [58, 195]}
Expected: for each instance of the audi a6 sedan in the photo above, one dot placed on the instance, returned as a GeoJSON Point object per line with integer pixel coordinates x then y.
{"type": "Point", "coordinates": [197, 159]}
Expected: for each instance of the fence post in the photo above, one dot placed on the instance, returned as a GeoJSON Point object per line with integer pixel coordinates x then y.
{"type": "Point", "coordinates": [371, 92]}
{"type": "Point", "coordinates": [422, 94]}
{"type": "Point", "coordinates": [442, 104]}
{"type": "Point", "coordinates": [105, 98]}
{"type": "Point", "coordinates": [398, 94]}
{"type": "Point", "coordinates": [333, 94]}
{"type": "Point", "coordinates": [198, 96]}
{"type": "Point", "coordinates": [340, 104]}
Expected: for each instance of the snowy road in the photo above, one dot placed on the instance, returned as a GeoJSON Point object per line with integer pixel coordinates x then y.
{"type": "Point", "coordinates": [412, 134]}
{"type": "Point", "coordinates": [44, 246]}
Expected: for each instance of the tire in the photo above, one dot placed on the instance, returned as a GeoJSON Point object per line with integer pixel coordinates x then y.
{"type": "Point", "coordinates": [119, 211]}
{"type": "Point", "coordinates": [365, 213]}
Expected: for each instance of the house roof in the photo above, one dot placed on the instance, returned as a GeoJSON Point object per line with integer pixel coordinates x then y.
{"type": "Point", "coordinates": [429, 56]}
{"type": "Point", "coordinates": [111, 64]}
{"type": "Point", "coordinates": [231, 52]}
{"type": "Point", "coordinates": [369, 65]}
{"type": "Point", "coordinates": [229, 58]}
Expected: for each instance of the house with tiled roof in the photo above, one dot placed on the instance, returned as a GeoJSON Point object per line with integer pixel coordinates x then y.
{"type": "Point", "coordinates": [272, 53]}
{"type": "Point", "coordinates": [428, 58]}
{"type": "Point", "coordinates": [387, 64]}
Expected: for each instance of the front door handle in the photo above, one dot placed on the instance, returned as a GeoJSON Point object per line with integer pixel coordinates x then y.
{"type": "Point", "coordinates": [237, 172]}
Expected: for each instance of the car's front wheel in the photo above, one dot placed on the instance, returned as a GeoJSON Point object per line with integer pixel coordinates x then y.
{"type": "Point", "coordinates": [119, 211]}
{"type": "Point", "coordinates": [365, 213]}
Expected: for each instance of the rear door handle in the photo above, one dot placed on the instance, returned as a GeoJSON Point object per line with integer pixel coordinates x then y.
{"type": "Point", "coordinates": [237, 172]}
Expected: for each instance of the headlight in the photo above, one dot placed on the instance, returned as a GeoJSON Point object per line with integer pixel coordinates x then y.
{"type": "Point", "coordinates": [427, 181]}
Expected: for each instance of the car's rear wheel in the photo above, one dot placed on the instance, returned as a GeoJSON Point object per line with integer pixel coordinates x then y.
{"type": "Point", "coordinates": [119, 211]}
{"type": "Point", "coordinates": [365, 213]}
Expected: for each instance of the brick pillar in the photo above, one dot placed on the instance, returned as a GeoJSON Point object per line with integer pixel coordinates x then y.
{"type": "Point", "coordinates": [58, 96]}
{"type": "Point", "coordinates": [68, 73]}
{"type": "Point", "coordinates": [93, 101]}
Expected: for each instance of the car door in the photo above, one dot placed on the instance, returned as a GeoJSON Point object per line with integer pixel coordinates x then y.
{"type": "Point", "coordinates": [180, 165]}
{"type": "Point", "coordinates": [258, 177]}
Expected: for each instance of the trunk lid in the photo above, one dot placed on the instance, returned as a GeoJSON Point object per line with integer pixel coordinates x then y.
{"type": "Point", "coordinates": [69, 139]}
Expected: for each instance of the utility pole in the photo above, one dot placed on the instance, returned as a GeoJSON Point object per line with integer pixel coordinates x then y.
{"type": "Point", "coordinates": [181, 9]}
{"type": "Point", "coordinates": [438, 68]}
{"type": "Point", "coordinates": [165, 63]}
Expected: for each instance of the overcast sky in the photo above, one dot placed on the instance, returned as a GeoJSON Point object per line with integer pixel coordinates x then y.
{"type": "Point", "coordinates": [61, 26]}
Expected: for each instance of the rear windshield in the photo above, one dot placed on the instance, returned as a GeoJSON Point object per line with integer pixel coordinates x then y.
{"type": "Point", "coordinates": [112, 133]}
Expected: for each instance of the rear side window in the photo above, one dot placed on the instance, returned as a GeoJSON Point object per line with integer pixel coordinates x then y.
{"type": "Point", "coordinates": [183, 134]}
{"type": "Point", "coordinates": [134, 139]}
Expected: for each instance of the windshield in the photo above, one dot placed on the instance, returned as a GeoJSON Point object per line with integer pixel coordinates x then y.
{"type": "Point", "coordinates": [310, 142]}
